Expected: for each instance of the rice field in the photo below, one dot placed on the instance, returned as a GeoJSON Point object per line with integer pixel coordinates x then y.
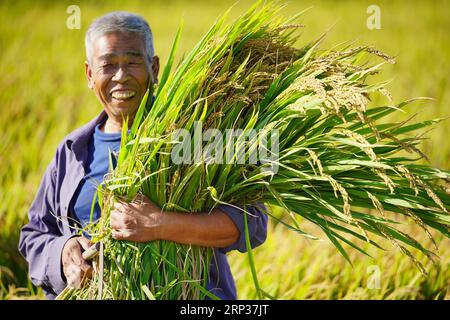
{"type": "Point", "coordinates": [44, 96]}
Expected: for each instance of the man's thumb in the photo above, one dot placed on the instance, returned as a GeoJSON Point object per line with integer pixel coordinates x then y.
{"type": "Point", "coordinates": [85, 243]}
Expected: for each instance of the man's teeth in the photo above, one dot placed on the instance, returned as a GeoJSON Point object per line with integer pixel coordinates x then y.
{"type": "Point", "coordinates": [123, 95]}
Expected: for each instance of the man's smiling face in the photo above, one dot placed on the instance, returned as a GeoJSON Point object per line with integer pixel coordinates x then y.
{"type": "Point", "coordinates": [119, 72]}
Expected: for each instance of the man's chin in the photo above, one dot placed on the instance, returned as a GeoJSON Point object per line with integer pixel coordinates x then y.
{"type": "Point", "coordinates": [125, 104]}
{"type": "Point", "coordinates": [124, 107]}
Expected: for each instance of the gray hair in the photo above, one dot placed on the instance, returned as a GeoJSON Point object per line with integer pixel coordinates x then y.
{"type": "Point", "coordinates": [119, 21]}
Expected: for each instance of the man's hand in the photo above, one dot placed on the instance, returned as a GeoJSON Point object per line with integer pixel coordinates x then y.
{"type": "Point", "coordinates": [143, 221]}
{"type": "Point", "coordinates": [140, 221]}
{"type": "Point", "coordinates": [75, 268]}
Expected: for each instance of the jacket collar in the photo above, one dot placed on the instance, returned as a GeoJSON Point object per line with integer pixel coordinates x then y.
{"type": "Point", "coordinates": [78, 140]}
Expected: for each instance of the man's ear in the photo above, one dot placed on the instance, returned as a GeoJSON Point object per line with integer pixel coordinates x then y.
{"type": "Point", "coordinates": [88, 71]}
{"type": "Point", "coordinates": [155, 68]}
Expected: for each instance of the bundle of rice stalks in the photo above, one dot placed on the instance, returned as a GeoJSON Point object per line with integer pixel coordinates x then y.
{"type": "Point", "coordinates": [303, 139]}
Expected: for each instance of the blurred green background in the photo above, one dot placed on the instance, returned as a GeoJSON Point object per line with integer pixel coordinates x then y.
{"type": "Point", "coordinates": [44, 96]}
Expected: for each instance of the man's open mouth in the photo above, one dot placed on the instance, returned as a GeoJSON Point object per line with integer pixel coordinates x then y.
{"type": "Point", "coordinates": [123, 95]}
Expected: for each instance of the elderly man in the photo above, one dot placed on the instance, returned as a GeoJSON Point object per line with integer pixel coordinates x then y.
{"type": "Point", "coordinates": [120, 67]}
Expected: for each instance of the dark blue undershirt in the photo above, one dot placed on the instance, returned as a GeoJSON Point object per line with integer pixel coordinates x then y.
{"type": "Point", "coordinates": [100, 145]}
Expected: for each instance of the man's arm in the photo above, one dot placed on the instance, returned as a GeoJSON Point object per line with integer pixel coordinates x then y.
{"type": "Point", "coordinates": [52, 257]}
{"type": "Point", "coordinates": [256, 222]}
{"type": "Point", "coordinates": [222, 228]}
{"type": "Point", "coordinates": [41, 242]}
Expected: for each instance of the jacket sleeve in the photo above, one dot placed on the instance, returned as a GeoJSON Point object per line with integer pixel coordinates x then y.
{"type": "Point", "coordinates": [41, 241]}
{"type": "Point", "coordinates": [257, 226]}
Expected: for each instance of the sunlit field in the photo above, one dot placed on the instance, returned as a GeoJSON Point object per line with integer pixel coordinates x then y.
{"type": "Point", "coordinates": [44, 96]}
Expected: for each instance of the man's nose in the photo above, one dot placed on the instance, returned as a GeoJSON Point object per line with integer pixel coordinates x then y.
{"type": "Point", "coordinates": [121, 75]}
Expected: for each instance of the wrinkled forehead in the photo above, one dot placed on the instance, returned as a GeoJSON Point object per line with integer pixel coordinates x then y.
{"type": "Point", "coordinates": [118, 44]}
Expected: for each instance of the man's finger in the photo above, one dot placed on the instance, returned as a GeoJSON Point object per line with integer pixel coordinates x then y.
{"type": "Point", "coordinates": [87, 275]}
{"type": "Point", "coordinates": [124, 207]}
{"type": "Point", "coordinates": [85, 243]}
{"type": "Point", "coordinates": [120, 234]}
{"type": "Point", "coordinates": [75, 256]}
{"type": "Point", "coordinates": [116, 234]}
{"type": "Point", "coordinates": [91, 252]}
{"type": "Point", "coordinates": [86, 267]}
{"type": "Point", "coordinates": [114, 220]}
{"type": "Point", "coordinates": [119, 206]}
